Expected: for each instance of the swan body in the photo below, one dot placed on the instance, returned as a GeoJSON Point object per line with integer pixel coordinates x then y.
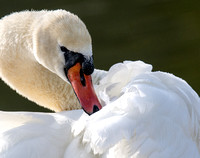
{"type": "Point", "coordinates": [24, 134]}
{"type": "Point", "coordinates": [153, 114]}
{"type": "Point", "coordinates": [146, 114]}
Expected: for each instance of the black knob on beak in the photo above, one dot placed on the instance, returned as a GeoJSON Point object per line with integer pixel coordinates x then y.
{"type": "Point", "coordinates": [88, 66]}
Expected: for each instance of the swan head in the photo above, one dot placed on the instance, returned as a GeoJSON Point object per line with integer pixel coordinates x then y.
{"type": "Point", "coordinates": [62, 44]}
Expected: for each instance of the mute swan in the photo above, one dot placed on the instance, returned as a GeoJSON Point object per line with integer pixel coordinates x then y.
{"type": "Point", "coordinates": [147, 114]}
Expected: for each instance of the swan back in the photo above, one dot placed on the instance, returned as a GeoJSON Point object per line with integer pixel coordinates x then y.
{"type": "Point", "coordinates": [23, 133]}
{"type": "Point", "coordinates": [155, 115]}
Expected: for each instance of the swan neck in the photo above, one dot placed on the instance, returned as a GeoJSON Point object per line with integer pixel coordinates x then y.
{"type": "Point", "coordinates": [21, 71]}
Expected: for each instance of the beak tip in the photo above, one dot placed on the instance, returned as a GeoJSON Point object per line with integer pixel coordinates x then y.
{"type": "Point", "coordinates": [95, 108]}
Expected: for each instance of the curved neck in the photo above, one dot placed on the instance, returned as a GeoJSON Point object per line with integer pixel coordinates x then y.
{"type": "Point", "coordinates": [38, 84]}
{"type": "Point", "coordinates": [20, 70]}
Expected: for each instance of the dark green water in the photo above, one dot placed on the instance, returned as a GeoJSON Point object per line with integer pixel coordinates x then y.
{"type": "Point", "coordinates": [164, 33]}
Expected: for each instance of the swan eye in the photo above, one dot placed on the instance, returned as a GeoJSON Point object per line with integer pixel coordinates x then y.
{"type": "Point", "coordinates": [64, 49]}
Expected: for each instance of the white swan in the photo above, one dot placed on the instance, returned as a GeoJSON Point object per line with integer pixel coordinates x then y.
{"type": "Point", "coordinates": [147, 114]}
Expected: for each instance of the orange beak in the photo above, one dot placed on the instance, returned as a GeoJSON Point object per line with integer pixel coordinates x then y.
{"type": "Point", "coordinates": [83, 88]}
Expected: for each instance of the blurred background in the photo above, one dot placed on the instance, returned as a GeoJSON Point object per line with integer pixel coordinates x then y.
{"type": "Point", "coordinates": [164, 33]}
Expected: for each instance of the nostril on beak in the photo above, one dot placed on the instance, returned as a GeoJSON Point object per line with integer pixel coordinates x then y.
{"type": "Point", "coordinates": [95, 108]}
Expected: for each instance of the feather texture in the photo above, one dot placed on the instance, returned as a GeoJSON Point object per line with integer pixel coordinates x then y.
{"type": "Point", "coordinates": [155, 115]}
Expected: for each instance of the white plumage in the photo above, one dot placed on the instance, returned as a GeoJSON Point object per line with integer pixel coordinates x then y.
{"type": "Point", "coordinates": [145, 115]}
{"type": "Point", "coordinates": [152, 114]}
